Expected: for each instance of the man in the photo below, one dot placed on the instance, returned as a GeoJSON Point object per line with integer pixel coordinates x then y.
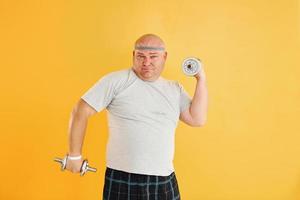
{"type": "Point", "coordinates": [144, 109]}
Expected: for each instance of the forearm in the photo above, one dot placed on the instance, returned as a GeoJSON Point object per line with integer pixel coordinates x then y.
{"type": "Point", "coordinates": [199, 104]}
{"type": "Point", "coordinates": [77, 128]}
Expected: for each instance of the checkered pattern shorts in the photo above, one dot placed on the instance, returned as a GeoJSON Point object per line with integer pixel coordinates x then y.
{"type": "Point", "coordinates": [120, 185]}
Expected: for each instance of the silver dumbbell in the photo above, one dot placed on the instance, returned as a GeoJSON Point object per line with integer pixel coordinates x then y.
{"type": "Point", "coordinates": [191, 66]}
{"type": "Point", "coordinates": [83, 169]}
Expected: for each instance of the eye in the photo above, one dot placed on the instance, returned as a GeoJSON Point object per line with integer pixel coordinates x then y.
{"type": "Point", "coordinates": [140, 56]}
{"type": "Point", "coordinates": [153, 56]}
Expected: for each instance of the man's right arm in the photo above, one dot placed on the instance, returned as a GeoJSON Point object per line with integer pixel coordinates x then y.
{"type": "Point", "coordinates": [77, 127]}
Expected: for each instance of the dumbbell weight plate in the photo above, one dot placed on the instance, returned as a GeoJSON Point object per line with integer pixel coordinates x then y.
{"type": "Point", "coordinates": [63, 162]}
{"type": "Point", "coordinates": [85, 167]}
{"type": "Point", "coordinates": [191, 66]}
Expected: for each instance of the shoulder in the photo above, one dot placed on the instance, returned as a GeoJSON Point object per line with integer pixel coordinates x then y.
{"type": "Point", "coordinates": [118, 80]}
{"type": "Point", "coordinates": [115, 77]}
{"type": "Point", "coordinates": [116, 74]}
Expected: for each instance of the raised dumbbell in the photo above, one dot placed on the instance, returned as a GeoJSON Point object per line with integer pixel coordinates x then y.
{"type": "Point", "coordinates": [83, 169]}
{"type": "Point", "coordinates": [191, 66]}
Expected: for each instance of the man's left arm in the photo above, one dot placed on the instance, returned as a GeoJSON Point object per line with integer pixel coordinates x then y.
{"type": "Point", "coordinates": [196, 115]}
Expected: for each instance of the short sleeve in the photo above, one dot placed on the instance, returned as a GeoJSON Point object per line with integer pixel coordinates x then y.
{"type": "Point", "coordinates": [100, 94]}
{"type": "Point", "coordinates": [184, 98]}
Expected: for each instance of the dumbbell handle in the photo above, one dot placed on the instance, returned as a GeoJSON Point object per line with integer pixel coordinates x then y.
{"type": "Point", "coordinates": [91, 169]}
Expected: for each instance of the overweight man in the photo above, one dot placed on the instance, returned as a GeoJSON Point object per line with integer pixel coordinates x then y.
{"type": "Point", "coordinates": [143, 113]}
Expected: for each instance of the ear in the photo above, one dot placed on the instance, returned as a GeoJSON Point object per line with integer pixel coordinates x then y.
{"type": "Point", "coordinates": [133, 53]}
{"type": "Point", "coordinates": [165, 55]}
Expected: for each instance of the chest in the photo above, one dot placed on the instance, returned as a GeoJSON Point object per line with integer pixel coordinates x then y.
{"type": "Point", "coordinates": [148, 100]}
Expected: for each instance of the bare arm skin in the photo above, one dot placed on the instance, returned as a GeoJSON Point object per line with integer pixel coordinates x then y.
{"type": "Point", "coordinates": [77, 128]}
{"type": "Point", "coordinates": [196, 115]}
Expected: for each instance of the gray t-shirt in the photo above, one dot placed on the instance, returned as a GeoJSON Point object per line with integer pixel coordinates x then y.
{"type": "Point", "coordinates": [142, 117]}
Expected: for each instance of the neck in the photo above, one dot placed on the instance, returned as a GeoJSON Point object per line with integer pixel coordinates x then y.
{"type": "Point", "coordinates": [145, 79]}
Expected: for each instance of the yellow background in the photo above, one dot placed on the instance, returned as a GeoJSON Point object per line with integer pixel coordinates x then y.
{"type": "Point", "coordinates": [53, 51]}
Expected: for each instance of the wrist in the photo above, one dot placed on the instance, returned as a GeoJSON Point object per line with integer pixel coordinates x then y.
{"type": "Point", "coordinates": [201, 79]}
{"type": "Point", "coordinates": [73, 153]}
{"type": "Point", "coordinates": [77, 157]}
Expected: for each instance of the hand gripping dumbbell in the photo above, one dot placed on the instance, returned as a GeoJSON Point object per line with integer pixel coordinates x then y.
{"type": "Point", "coordinates": [191, 66]}
{"type": "Point", "coordinates": [83, 169]}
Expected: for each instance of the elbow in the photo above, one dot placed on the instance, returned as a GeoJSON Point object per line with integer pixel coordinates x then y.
{"type": "Point", "coordinates": [75, 111]}
{"type": "Point", "coordinates": [200, 123]}
{"type": "Point", "coordinates": [199, 120]}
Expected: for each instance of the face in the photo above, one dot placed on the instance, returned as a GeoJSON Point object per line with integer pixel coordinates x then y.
{"type": "Point", "coordinates": [149, 64]}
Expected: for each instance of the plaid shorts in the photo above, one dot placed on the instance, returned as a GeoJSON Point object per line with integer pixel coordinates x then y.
{"type": "Point", "coordinates": [120, 185]}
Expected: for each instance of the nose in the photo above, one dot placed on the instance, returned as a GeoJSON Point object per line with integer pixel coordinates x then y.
{"type": "Point", "coordinates": [147, 61]}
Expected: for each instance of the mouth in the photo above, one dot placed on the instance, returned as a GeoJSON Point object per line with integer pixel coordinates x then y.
{"type": "Point", "coordinates": [146, 69]}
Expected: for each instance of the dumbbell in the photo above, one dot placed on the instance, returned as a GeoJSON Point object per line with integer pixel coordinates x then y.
{"type": "Point", "coordinates": [83, 169]}
{"type": "Point", "coordinates": [191, 66]}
